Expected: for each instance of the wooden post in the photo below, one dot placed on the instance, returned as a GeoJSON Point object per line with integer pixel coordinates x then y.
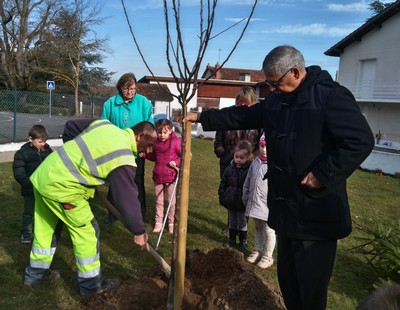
{"type": "Point", "coordinates": [183, 220]}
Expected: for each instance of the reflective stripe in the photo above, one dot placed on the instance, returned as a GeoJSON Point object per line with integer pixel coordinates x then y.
{"type": "Point", "coordinates": [36, 264]}
{"type": "Point", "coordinates": [89, 274]}
{"type": "Point", "coordinates": [87, 156]}
{"type": "Point", "coordinates": [99, 123]}
{"type": "Point", "coordinates": [87, 260]}
{"type": "Point", "coordinates": [90, 161]}
{"type": "Point", "coordinates": [41, 251]}
{"type": "Point", "coordinates": [110, 156]}
{"type": "Point", "coordinates": [70, 166]}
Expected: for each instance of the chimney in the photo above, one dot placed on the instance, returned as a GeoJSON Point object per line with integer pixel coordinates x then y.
{"type": "Point", "coordinates": [217, 73]}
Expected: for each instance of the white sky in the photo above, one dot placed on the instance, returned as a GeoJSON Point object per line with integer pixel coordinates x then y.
{"type": "Point", "coordinates": [311, 26]}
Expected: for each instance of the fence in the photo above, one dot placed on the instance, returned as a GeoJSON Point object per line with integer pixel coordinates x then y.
{"type": "Point", "coordinates": [387, 142]}
{"type": "Point", "coordinates": [20, 110]}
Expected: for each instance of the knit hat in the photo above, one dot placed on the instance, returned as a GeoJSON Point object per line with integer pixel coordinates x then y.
{"type": "Point", "coordinates": [262, 140]}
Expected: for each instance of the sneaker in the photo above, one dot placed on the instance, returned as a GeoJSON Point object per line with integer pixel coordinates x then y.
{"type": "Point", "coordinates": [230, 244]}
{"type": "Point", "coordinates": [171, 228]}
{"type": "Point", "coordinates": [265, 262]}
{"type": "Point", "coordinates": [254, 257]}
{"type": "Point", "coordinates": [157, 228]}
{"type": "Point", "coordinates": [26, 239]}
{"type": "Point", "coordinates": [108, 285]}
{"type": "Point", "coordinates": [49, 276]}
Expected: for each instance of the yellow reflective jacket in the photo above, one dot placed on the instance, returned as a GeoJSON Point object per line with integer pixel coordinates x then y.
{"type": "Point", "coordinates": [75, 169]}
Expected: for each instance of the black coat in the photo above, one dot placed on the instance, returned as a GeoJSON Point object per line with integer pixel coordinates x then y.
{"type": "Point", "coordinates": [317, 128]}
{"type": "Point", "coordinates": [26, 160]}
{"type": "Point", "coordinates": [225, 142]}
{"type": "Point", "coordinates": [230, 189]}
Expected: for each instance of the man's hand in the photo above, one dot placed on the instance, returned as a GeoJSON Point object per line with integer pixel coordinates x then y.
{"type": "Point", "coordinates": [191, 117]}
{"type": "Point", "coordinates": [311, 181]}
{"type": "Point", "coordinates": [141, 240]}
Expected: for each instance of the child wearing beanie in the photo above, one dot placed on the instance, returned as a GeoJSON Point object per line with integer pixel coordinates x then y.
{"type": "Point", "coordinates": [255, 190]}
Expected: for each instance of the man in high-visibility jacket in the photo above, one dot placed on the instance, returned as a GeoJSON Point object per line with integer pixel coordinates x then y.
{"type": "Point", "coordinates": [64, 183]}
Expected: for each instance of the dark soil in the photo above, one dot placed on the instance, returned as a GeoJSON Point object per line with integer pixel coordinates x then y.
{"type": "Point", "coordinates": [219, 279]}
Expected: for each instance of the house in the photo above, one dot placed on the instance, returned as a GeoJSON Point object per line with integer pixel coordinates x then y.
{"type": "Point", "coordinates": [173, 106]}
{"type": "Point", "coordinates": [159, 96]}
{"type": "Point", "coordinates": [369, 67]}
{"type": "Point", "coordinates": [223, 84]}
{"type": "Point", "coordinates": [216, 88]}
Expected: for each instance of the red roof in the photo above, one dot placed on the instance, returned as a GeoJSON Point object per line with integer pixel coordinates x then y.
{"type": "Point", "coordinates": [234, 74]}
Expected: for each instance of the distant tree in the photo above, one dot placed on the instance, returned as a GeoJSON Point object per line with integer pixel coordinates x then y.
{"type": "Point", "coordinates": [75, 48]}
{"type": "Point", "coordinates": [23, 24]}
{"type": "Point", "coordinates": [378, 6]}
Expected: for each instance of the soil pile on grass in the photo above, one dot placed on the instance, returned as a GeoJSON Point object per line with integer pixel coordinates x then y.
{"type": "Point", "coordinates": [219, 279]}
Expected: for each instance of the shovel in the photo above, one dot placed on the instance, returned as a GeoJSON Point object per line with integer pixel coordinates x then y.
{"type": "Point", "coordinates": [149, 248]}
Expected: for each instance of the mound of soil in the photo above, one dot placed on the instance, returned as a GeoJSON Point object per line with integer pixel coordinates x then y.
{"type": "Point", "coordinates": [219, 279]}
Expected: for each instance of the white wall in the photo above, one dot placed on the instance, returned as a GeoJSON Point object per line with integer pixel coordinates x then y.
{"type": "Point", "coordinates": [379, 51]}
{"type": "Point", "coordinates": [386, 162]}
{"type": "Point", "coordinates": [226, 102]}
{"type": "Point", "coordinates": [175, 104]}
{"type": "Point", "coordinates": [382, 44]}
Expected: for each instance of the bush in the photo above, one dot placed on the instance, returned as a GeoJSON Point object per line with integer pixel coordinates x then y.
{"type": "Point", "coordinates": [381, 247]}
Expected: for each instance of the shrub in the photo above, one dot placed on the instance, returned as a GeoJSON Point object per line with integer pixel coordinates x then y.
{"type": "Point", "coordinates": [380, 246]}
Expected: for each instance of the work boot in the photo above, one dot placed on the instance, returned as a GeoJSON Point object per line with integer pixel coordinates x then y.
{"type": "Point", "coordinates": [49, 276]}
{"type": "Point", "coordinates": [242, 240]}
{"type": "Point", "coordinates": [232, 239]}
{"type": "Point", "coordinates": [108, 285]}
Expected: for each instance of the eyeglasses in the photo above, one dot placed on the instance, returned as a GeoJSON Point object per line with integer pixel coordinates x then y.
{"type": "Point", "coordinates": [132, 89]}
{"type": "Point", "coordinates": [278, 82]}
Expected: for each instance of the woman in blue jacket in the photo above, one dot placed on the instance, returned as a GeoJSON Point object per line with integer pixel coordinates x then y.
{"type": "Point", "coordinates": [126, 109]}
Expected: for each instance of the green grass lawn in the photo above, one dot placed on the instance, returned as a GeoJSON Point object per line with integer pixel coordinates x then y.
{"type": "Point", "coordinates": [370, 196]}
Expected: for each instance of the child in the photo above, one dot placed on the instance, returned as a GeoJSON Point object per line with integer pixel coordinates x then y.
{"type": "Point", "coordinates": [26, 160]}
{"type": "Point", "coordinates": [166, 155]}
{"type": "Point", "coordinates": [230, 193]}
{"type": "Point", "coordinates": [225, 141]}
{"type": "Point", "coordinates": [255, 191]}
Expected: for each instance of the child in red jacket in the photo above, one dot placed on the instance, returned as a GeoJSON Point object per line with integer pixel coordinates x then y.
{"type": "Point", "coordinates": [166, 155]}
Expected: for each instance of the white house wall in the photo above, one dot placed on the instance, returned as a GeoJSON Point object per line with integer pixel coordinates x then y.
{"type": "Point", "coordinates": [382, 44]}
{"type": "Point", "coordinates": [370, 68]}
{"type": "Point", "coordinates": [162, 107]}
{"type": "Point", "coordinates": [226, 102]}
{"type": "Point", "coordinates": [383, 117]}
{"type": "Point", "coordinates": [175, 104]}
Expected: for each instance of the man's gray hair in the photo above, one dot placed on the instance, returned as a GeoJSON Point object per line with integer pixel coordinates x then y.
{"type": "Point", "coordinates": [283, 58]}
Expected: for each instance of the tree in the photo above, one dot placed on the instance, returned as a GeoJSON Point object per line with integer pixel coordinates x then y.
{"type": "Point", "coordinates": [378, 6]}
{"type": "Point", "coordinates": [23, 24]}
{"type": "Point", "coordinates": [186, 79]}
{"type": "Point", "coordinates": [78, 48]}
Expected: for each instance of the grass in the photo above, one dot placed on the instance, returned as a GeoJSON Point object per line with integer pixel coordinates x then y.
{"type": "Point", "coordinates": [370, 196]}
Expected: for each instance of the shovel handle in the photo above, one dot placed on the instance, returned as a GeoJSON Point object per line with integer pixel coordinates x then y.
{"type": "Point", "coordinates": [149, 248]}
{"type": "Point", "coordinates": [159, 259]}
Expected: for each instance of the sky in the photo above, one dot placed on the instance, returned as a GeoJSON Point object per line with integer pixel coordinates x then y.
{"type": "Point", "coordinates": [310, 26]}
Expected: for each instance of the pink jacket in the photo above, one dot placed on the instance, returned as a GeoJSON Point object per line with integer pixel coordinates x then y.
{"type": "Point", "coordinates": [163, 153]}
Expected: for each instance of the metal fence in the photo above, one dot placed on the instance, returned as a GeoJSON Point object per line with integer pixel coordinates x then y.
{"type": "Point", "coordinates": [20, 110]}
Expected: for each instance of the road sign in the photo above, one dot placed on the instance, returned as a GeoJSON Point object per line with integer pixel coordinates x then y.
{"type": "Point", "coordinates": [51, 85]}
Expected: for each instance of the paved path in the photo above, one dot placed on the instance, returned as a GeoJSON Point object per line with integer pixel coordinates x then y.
{"type": "Point", "coordinates": [7, 151]}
